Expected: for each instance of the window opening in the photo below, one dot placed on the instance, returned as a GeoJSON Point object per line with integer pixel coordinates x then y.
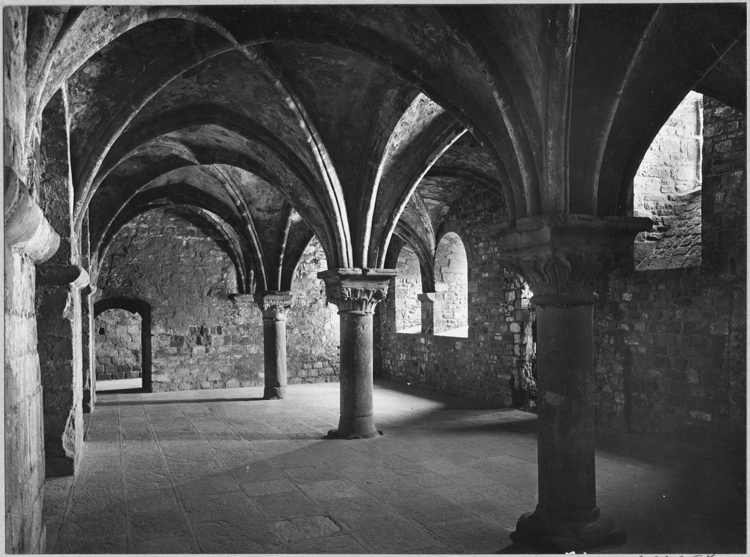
{"type": "Point", "coordinates": [408, 289]}
{"type": "Point", "coordinates": [667, 189]}
{"type": "Point", "coordinates": [451, 313]}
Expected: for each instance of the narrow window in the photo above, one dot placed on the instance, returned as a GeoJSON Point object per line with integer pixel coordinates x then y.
{"type": "Point", "coordinates": [451, 311]}
{"type": "Point", "coordinates": [667, 189]}
{"type": "Point", "coordinates": [408, 289]}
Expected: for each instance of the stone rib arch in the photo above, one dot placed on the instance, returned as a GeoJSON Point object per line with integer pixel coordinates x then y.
{"type": "Point", "coordinates": [89, 30]}
{"type": "Point", "coordinates": [143, 309]}
{"type": "Point", "coordinates": [310, 206]}
{"type": "Point", "coordinates": [436, 137]}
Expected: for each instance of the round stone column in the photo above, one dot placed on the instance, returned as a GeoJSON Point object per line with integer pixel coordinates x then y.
{"type": "Point", "coordinates": [563, 257]}
{"type": "Point", "coordinates": [356, 292]}
{"type": "Point", "coordinates": [565, 350]}
{"type": "Point", "coordinates": [274, 306]}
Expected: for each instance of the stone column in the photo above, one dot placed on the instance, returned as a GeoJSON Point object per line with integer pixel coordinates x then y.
{"type": "Point", "coordinates": [59, 327]}
{"type": "Point", "coordinates": [274, 306]}
{"type": "Point", "coordinates": [356, 292]}
{"type": "Point", "coordinates": [88, 295]}
{"type": "Point", "coordinates": [427, 299]}
{"type": "Point", "coordinates": [562, 257]}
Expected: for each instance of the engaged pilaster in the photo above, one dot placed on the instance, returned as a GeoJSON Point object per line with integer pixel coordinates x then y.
{"type": "Point", "coordinates": [562, 257]}
{"type": "Point", "coordinates": [88, 352]}
{"type": "Point", "coordinates": [356, 292]}
{"type": "Point", "coordinates": [59, 327]}
{"type": "Point", "coordinates": [274, 306]}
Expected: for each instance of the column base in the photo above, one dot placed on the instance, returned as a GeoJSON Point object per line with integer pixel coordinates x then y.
{"type": "Point", "coordinates": [564, 536]}
{"type": "Point", "coordinates": [274, 393]}
{"type": "Point", "coordinates": [355, 428]}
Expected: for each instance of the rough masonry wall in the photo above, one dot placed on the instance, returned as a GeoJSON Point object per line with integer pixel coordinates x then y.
{"type": "Point", "coordinates": [407, 288]}
{"type": "Point", "coordinates": [312, 323]}
{"type": "Point", "coordinates": [201, 339]}
{"type": "Point", "coordinates": [22, 387]}
{"type": "Point", "coordinates": [668, 177]}
{"type": "Point", "coordinates": [118, 345]}
{"type": "Point", "coordinates": [671, 343]}
{"type": "Point", "coordinates": [24, 436]}
{"type": "Point", "coordinates": [484, 365]}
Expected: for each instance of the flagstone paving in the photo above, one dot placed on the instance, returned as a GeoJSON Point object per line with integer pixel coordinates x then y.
{"type": "Point", "coordinates": [223, 471]}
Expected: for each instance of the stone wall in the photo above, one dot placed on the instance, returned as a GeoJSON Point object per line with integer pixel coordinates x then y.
{"type": "Point", "coordinates": [485, 365]}
{"type": "Point", "coordinates": [201, 338]}
{"type": "Point", "coordinates": [669, 176]}
{"type": "Point", "coordinates": [407, 288]}
{"type": "Point", "coordinates": [24, 446]}
{"type": "Point", "coordinates": [22, 387]}
{"type": "Point", "coordinates": [118, 345]}
{"type": "Point", "coordinates": [312, 324]}
{"type": "Point", "coordinates": [671, 343]}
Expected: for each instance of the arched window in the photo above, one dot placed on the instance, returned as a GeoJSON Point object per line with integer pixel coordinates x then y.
{"type": "Point", "coordinates": [408, 288]}
{"type": "Point", "coordinates": [451, 312]}
{"type": "Point", "coordinates": [667, 189]}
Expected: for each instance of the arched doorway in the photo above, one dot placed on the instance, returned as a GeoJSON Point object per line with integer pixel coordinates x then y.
{"type": "Point", "coordinates": [124, 355]}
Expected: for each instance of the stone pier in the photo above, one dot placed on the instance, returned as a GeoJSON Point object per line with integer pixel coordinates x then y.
{"type": "Point", "coordinates": [356, 292]}
{"type": "Point", "coordinates": [563, 257]}
{"type": "Point", "coordinates": [274, 306]}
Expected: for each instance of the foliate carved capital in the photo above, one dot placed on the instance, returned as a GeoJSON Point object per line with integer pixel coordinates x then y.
{"type": "Point", "coordinates": [274, 305]}
{"type": "Point", "coordinates": [564, 256]}
{"type": "Point", "coordinates": [355, 290]}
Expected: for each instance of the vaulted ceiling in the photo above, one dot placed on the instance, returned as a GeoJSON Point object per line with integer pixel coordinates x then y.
{"type": "Point", "coordinates": [355, 123]}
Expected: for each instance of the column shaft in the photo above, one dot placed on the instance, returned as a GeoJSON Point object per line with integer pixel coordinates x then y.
{"type": "Point", "coordinates": [563, 257]}
{"type": "Point", "coordinates": [357, 420]}
{"type": "Point", "coordinates": [356, 292]}
{"type": "Point", "coordinates": [274, 307]}
{"type": "Point", "coordinates": [565, 357]}
{"type": "Point", "coordinates": [274, 357]}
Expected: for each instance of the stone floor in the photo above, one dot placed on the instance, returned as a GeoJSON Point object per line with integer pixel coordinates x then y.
{"type": "Point", "coordinates": [225, 472]}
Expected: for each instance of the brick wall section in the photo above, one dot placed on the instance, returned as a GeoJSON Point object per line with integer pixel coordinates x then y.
{"type": "Point", "coordinates": [671, 343]}
{"type": "Point", "coordinates": [200, 338]}
{"type": "Point", "coordinates": [118, 345]}
{"type": "Point", "coordinates": [669, 172]}
{"type": "Point", "coordinates": [483, 365]}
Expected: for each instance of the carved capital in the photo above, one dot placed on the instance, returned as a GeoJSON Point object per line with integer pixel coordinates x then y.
{"type": "Point", "coordinates": [274, 305]}
{"type": "Point", "coordinates": [356, 290]}
{"type": "Point", "coordinates": [563, 257]}
{"type": "Point", "coordinates": [26, 228]}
